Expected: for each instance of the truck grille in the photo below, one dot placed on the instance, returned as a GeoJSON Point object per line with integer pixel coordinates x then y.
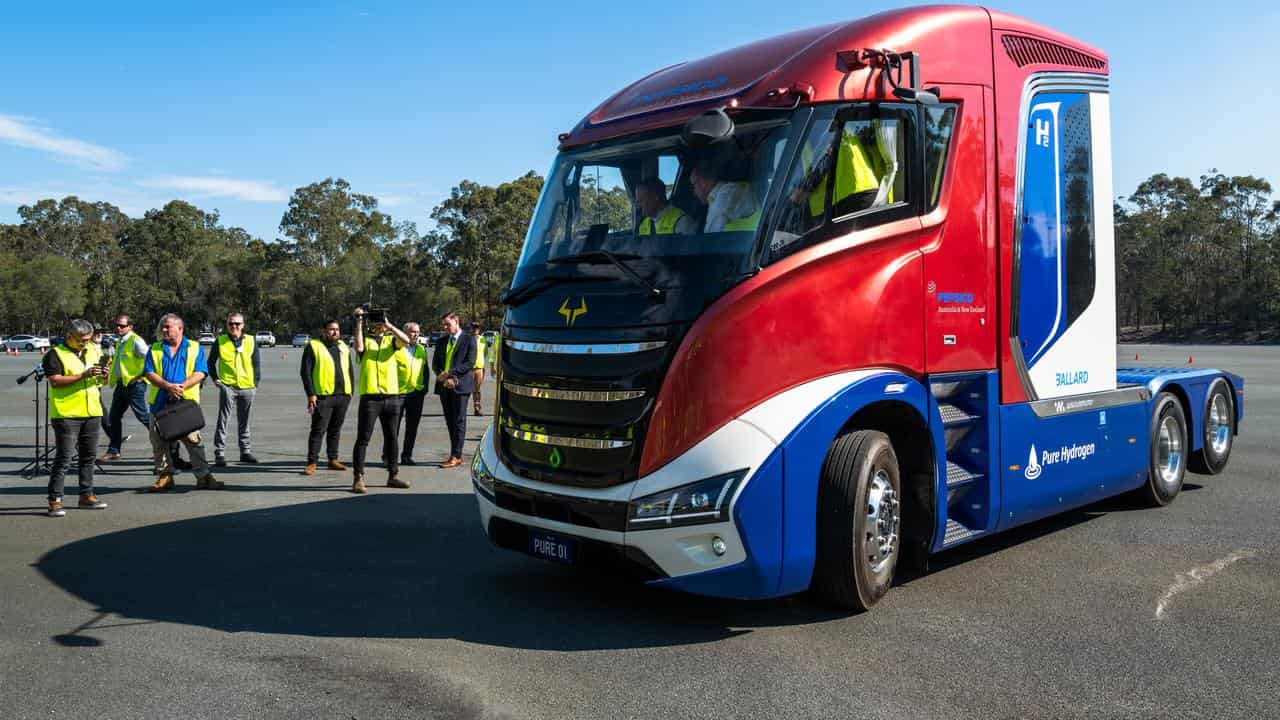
{"type": "Point", "coordinates": [576, 414]}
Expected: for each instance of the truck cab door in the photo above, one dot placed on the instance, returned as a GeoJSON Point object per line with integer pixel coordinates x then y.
{"type": "Point", "coordinates": [1064, 318]}
{"type": "Point", "coordinates": [1062, 306]}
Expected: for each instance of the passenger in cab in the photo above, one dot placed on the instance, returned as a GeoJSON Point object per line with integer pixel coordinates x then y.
{"type": "Point", "coordinates": [660, 217]}
{"type": "Point", "coordinates": [731, 205]}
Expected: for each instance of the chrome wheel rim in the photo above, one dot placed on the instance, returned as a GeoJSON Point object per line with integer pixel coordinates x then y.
{"type": "Point", "coordinates": [1169, 455]}
{"type": "Point", "coordinates": [880, 533]}
{"type": "Point", "coordinates": [1219, 425]}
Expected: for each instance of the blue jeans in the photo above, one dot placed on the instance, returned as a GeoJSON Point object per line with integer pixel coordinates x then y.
{"type": "Point", "coordinates": [132, 397]}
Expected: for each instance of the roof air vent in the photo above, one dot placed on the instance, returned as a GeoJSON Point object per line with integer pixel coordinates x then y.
{"type": "Point", "coordinates": [1025, 51]}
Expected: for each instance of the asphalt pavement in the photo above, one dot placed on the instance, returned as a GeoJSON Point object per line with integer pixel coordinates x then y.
{"type": "Point", "coordinates": [287, 597]}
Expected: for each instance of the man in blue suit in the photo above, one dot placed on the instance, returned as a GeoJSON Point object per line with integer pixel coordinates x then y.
{"type": "Point", "coordinates": [453, 362]}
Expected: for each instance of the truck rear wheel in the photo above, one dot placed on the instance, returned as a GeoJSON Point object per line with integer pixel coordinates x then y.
{"type": "Point", "coordinates": [1219, 430]}
{"type": "Point", "coordinates": [1168, 461]}
{"type": "Point", "coordinates": [859, 521]}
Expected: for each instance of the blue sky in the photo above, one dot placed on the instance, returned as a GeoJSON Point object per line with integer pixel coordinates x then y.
{"type": "Point", "coordinates": [233, 105]}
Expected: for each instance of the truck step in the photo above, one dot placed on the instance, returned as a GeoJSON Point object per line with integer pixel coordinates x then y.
{"type": "Point", "coordinates": [957, 533]}
{"type": "Point", "coordinates": [952, 415]}
{"type": "Point", "coordinates": [957, 475]}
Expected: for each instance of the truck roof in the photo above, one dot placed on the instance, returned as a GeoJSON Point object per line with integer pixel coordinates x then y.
{"type": "Point", "coordinates": [954, 43]}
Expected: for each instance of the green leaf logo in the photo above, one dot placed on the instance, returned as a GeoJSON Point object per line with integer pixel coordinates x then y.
{"type": "Point", "coordinates": [555, 458]}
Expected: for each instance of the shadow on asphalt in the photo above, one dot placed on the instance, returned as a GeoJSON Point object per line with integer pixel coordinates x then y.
{"type": "Point", "coordinates": [414, 566]}
{"type": "Point", "coordinates": [385, 566]}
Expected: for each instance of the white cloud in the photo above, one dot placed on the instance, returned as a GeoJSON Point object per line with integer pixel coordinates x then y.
{"type": "Point", "coordinates": [130, 200]}
{"type": "Point", "coordinates": [209, 187]}
{"type": "Point", "coordinates": [22, 132]}
{"type": "Point", "coordinates": [391, 201]}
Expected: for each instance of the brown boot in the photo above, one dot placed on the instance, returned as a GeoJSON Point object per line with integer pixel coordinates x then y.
{"type": "Point", "coordinates": [395, 482]}
{"type": "Point", "coordinates": [310, 469]}
{"type": "Point", "coordinates": [357, 487]}
{"type": "Point", "coordinates": [208, 482]}
{"type": "Point", "coordinates": [336, 465]}
{"type": "Point", "coordinates": [162, 483]}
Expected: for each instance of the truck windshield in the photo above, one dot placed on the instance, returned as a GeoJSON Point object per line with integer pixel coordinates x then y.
{"type": "Point", "coordinates": [681, 217]}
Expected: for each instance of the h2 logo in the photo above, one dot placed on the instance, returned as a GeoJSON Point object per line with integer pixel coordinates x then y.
{"type": "Point", "coordinates": [1042, 132]}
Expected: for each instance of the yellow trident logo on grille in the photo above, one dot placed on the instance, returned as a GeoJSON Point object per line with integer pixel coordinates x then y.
{"type": "Point", "coordinates": [571, 315]}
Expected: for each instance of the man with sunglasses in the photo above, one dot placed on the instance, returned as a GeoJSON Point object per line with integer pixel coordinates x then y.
{"type": "Point", "coordinates": [235, 366]}
{"type": "Point", "coordinates": [129, 387]}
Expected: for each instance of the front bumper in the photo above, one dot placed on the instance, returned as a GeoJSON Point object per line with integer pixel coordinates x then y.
{"type": "Point", "coordinates": [681, 557]}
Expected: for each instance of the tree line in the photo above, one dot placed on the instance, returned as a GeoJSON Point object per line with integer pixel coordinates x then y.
{"type": "Point", "coordinates": [78, 258]}
{"type": "Point", "coordinates": [1188, 255]}
{"type": "Point", "coordinates": [1194, 256]}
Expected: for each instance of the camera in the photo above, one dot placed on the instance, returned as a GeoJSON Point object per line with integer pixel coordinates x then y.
{"type": "Point", "coordinates": [375, 315]}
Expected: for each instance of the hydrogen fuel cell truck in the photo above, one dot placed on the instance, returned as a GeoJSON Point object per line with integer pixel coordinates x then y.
{"type": "Point", "coordinates": [792, 313]}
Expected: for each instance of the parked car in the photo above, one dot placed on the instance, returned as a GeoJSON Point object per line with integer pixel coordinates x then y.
{"type": "Point", "coordinates": [434, 338]}
{"type": "Point", "coordinates": [264, 338]}
{"type": "Point", "coordinates": [206, 338]}
{"type": "Point", "coordinates": [28, 343]}
{"type": "Point", "coordinates": [301, 340]}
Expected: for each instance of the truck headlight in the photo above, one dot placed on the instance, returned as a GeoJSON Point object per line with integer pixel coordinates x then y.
{"type": "Point", "coordinates": [481, 476]}
{"type": "Point", "coordinates": [704, 501]}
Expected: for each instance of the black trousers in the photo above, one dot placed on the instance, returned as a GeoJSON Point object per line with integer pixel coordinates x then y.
{"type": "Point", "coordinates": [77, 436]}
{"type": "Point", "coordinates": [411, 412]}
{"type": "Point", "coordinates": [455, 418]}
{"type": "Point", "coordinates": [326, 424]}
{"type": "Point", "coordinates": [385, 410]}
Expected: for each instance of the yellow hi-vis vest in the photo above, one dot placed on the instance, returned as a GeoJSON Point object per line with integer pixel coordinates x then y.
{"type": "Point", "coordinates": [854, 174]}
{"type": "Point", "coordinates": [157, 360]}
{"type": "Point", "coordinates": [666, 221]}
{"type": "Point", "coordinates": [323, 374]}
{"type": "Point", "coordinates": [128, 364]}
{"type": "Point", "coordinates": [743, 223]}
{"type": "Point", "coordinates": [480, 351]}
{"type": "Point", "coordinates": [235, 367]}
{"type": "Point", "coordinates": [412, 367]}
{"type": "Point", "coordinates": [379, 368]}
{"type": "Point", "coordinates": [82, 398]}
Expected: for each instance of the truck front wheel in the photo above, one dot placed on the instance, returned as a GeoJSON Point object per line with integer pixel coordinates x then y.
{"type": "Point", "coordinates": [1168, 461]}
{"type": "Point", "coordinates": [859, 521]}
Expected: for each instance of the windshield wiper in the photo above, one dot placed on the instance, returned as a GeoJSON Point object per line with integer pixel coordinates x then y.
{"type": "Point", "coordinates": [518, 295]}
{"type": "Point", "coordinates": [599, 256]}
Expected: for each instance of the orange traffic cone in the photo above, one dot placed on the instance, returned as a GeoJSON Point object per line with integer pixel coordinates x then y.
{"type": "Point", "coordinates": [1190, 359]}
{"type": "Point", "coordinates": [1135, 356]}
{"type": "Point", "coordinates": [281, 356]}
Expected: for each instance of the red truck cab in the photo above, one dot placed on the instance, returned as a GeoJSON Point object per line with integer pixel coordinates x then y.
{"type": "Point", "coordinates": [791, 312]}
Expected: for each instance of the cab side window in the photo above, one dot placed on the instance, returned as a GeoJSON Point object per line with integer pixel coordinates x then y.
{"type": "Point", "coordinates": [939, 121]}
{"type": "Point", "coordinates": [851, 166]}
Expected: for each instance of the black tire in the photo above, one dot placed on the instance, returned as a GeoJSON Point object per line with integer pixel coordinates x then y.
{"type": "Point", "coordinates": [851, 568]}
{"type": "Point", "coordinates": [1218, 430]}
{"type": "Point", "coordinates": [1167, 457]}
{"type": "Point", "coordinates": [30, 347]}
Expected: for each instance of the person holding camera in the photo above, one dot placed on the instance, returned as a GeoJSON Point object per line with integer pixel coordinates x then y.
{"type": "Point", "coordinates": [379, 348]}
{"type": "Point", "coordinates": [235, 366]}
{"type": "Point", "coordinates": [175, 367]}
{"type": "Point", "coordinates": [454, 365]}
{"type": "Point", "coordinates": [76, 371]}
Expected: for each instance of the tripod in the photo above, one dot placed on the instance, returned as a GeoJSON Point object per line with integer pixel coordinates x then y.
{"type": "Point", "coordinates": [41, 463]}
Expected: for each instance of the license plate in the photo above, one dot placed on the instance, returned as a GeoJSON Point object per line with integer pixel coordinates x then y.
{"type": "Point", "coordinates": [553, 547]}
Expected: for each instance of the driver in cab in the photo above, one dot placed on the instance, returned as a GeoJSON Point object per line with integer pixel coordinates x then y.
{"type": "Point", "coordinates": [660, 217]}
{"type": "Point", "coordinates": [731, 206]}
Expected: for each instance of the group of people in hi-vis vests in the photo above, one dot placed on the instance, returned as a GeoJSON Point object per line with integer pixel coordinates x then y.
{"type": "Point", "coordinates": [145, 378]}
